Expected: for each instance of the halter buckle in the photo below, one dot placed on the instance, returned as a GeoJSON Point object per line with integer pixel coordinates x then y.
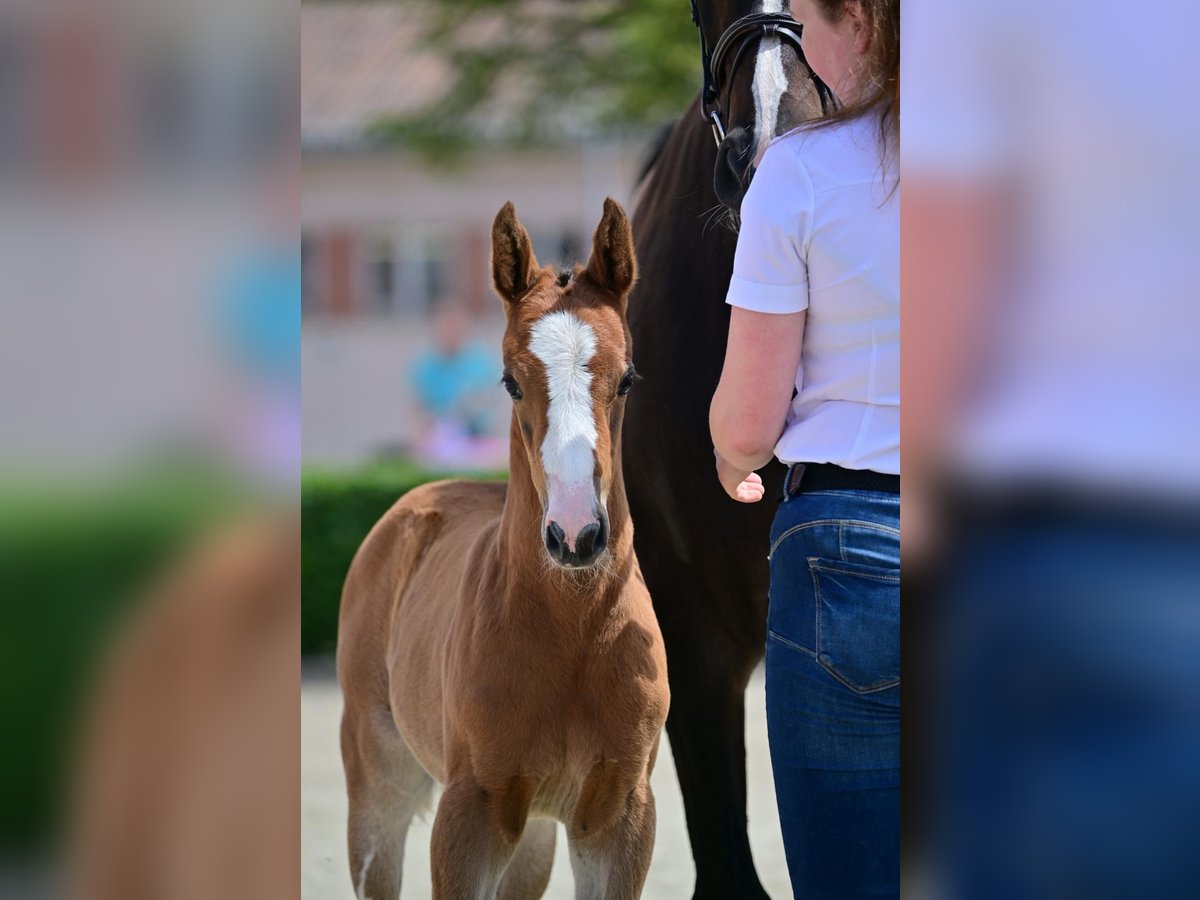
{"type": "Point", "coordinates": [718, 127]}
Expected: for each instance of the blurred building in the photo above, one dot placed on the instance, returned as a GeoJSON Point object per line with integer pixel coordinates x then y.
{"type": "Point", "coordinates": [387, 237]}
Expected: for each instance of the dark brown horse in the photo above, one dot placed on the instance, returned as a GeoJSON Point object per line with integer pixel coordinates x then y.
{"type": "Point", "coordinates": [703, 555]}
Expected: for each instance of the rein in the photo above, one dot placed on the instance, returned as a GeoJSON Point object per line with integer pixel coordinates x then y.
{"type": "Point", "coordinates": [743, 33]}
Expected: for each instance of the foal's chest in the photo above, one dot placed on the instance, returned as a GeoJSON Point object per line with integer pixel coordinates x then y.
{"type": "Point", "coordinates": [561, 713]}
{"type": "Point", "coordinates": [577, 741]}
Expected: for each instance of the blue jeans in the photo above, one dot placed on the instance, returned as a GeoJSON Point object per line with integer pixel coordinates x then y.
{"type": "Point", "coordinates": [833, 691]}
{"type": "Point", "coordinates": [1068, 692]}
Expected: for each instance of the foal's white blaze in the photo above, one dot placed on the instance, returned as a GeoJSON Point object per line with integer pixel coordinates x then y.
{"type": "Point", "coordinates": [770, 84]}
{"type": "Point", "coordinates": [565, 345]}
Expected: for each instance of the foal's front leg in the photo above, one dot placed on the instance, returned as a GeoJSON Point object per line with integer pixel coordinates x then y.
{"type": "Point", "coordinates": [612, 865]}
{"type": "Point", "coordinates": [474, 835]}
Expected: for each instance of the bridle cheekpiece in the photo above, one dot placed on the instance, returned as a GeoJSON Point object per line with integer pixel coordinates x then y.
{"type": "Point", "coordinates": [743, 33]}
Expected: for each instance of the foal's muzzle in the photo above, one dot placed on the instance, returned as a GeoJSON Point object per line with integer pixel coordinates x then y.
{"type": "Point", "coordinates": [585, 549]}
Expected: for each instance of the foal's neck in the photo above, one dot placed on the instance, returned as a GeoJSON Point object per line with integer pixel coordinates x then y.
{"type": "Point", "coordinates": [523, 555]}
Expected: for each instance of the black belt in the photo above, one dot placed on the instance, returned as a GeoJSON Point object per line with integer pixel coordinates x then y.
{"type": "Point", "coordinates": [805, 477]}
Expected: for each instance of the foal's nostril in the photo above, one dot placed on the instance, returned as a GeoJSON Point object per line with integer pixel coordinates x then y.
{"type": "Point", "coordinates": [585, 543]}
{"type": "Point", "coordinates": [556, 540]}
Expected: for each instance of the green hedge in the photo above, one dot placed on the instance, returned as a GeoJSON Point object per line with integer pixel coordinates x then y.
{"type": "Point", "coordinates": [74, 561]}
{"type": "Point", "coordinates": [337, 510]}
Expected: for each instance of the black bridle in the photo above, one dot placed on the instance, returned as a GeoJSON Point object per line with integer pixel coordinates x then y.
{"type": "Point", "coordinates": [743, 33]}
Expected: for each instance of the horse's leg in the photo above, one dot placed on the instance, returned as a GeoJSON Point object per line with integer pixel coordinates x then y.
{"type": "Point", "coordinates": [475, 834]}
{"type": "Point", "coordinates": [612, 865]}
{"type": "Point", "coordinates": [528, 872]}
{"type": "Point", "coordinates": [386, 787]}
{"type": "Point", "coordinates": [706, 726]}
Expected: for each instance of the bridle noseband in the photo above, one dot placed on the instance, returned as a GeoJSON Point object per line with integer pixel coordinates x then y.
{"type": "Point", "coordinates": [746, 31]}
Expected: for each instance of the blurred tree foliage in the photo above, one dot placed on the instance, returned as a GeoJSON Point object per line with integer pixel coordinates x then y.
{"type": "Point", "coordinates": [528, 72]}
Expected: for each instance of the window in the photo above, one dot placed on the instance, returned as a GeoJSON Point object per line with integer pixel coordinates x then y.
{"type": "Point", "coordinates": [422, 272]}
{"type": "Point", "coordinates": [312, 298]}
{"type": "Point", "coordinates": [380, 281]}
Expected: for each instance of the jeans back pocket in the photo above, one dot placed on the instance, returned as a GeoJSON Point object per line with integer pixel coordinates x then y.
{"type": "Point", "coordinates": [858, 623]}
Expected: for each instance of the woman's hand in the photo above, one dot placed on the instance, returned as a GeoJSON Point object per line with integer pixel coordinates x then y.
{"type": "Point", "coordinates": [745, 487]}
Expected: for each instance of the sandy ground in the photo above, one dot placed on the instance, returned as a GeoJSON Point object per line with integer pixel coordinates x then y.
{"type": "Point", "coordinates": [325, 872]}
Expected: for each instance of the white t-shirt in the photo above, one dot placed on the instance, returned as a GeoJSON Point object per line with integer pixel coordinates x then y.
{"type": "Point", "coordinates": [821, 232]}
{"type": "Point", "coordinates": [1085, 372]}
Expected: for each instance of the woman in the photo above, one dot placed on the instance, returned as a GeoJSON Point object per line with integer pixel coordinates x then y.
{"type": "Point", "coordinates": [816, 307]}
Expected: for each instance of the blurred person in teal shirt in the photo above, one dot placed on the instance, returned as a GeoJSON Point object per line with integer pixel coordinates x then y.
{"type": "Point", "coordinates": [451, 379]}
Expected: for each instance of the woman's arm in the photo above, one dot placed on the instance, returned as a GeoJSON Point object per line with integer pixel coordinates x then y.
{"type": "Point", "coordinates": [750, 406]}
{"type": "Point", "coordinates": [769, 295]}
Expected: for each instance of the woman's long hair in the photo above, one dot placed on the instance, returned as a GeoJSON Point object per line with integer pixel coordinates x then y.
{"type": "Point", "coordinates": [881, 79]}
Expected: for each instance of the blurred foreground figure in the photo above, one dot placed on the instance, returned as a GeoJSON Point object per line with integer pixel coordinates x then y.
{"type": "Point", "coordinates": [149, 383]}
{"type": "Point", "coordinates": [1051, 366]}
{"type": "Point", "coordinates": [190, 766]}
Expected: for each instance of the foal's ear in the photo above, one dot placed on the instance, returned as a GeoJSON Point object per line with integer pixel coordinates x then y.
{"type": "Point", "coordinates": [612, 265]}
{"type": "Point", "coordinates": [513, 262]}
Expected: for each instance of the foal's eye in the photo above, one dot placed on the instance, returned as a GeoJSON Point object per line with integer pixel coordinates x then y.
{"type": "Point", "coordinates": [510, 385]}
{"type": "Point", "coordinates": [626, 383]}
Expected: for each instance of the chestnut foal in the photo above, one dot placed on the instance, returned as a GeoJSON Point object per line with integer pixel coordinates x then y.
{"type": "Point", "coordinates": [499, 639]}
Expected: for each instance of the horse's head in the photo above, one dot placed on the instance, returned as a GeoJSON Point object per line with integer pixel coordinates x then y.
{"type": "Point", "coordinates": [757, 84]}
{"type": "Point", "coordinates": [567, 366]}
